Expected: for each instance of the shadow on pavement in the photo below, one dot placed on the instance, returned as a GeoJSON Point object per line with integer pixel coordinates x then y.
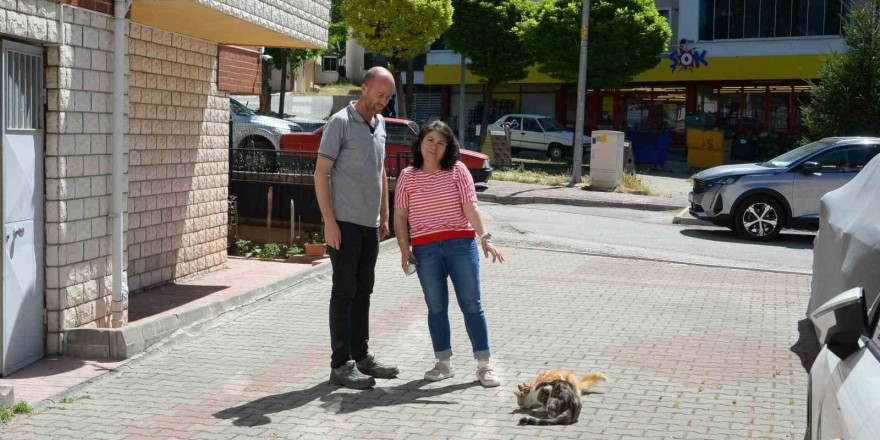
{"type": "Point", "coordinates": [408, 393]}
{"type": "Point", "coordinates": [807, 346]}
{"type": "Point", "coordinates": [255, 413]}
{"type": "Point", "coordinates": [796, 240]}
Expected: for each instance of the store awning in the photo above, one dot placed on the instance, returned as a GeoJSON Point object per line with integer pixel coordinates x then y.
{"type": "Point", "coordinates": [272, 23]}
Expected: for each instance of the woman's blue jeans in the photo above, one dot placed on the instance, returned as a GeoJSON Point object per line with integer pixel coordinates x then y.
{"type": "Point", "coordinates": [459, 260]}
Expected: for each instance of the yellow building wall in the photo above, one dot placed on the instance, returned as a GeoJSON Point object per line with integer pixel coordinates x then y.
{"type": "Point", "coordinates": [718, 69]}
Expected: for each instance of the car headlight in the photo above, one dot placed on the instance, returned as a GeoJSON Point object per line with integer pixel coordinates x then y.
{"type": "Point", "coordinates": [722, 181]}
{"type": "Point", "coordinates": [486, 164]}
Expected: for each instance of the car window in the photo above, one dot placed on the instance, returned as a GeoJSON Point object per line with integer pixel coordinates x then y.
{"type": "Point", "coordinates": [240, 109]}
{"type": "Point", "coordinates": [399, 134]}
{"type": "Point", "coordinates": [844, 160]}
{"type": "Point", "coordinates": [530, 124]}
{"type": "Point", "coordinates": [550, 124]}
{"type": "Point", "coordinates": [858, 158]}
{"type": "Point", "coordinates": [514, 121]}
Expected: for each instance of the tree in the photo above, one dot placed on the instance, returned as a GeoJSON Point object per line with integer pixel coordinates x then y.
{"type": "Point", "coordinates": [398, 29]}
{"type": "Point", "coordinates": [626, 38]}
{"type": "Point", "coordinates": [846, 101]}
{"type": "Point", "coordinates": [486, 32]}
{"type": "Point", "coordinates": [289, 60]}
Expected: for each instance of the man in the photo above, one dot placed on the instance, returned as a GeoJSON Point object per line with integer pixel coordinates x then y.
{"type": "Point", "coordinates": [352, 191]}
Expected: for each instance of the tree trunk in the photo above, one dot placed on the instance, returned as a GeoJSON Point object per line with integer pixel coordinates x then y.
{"type": "Point", "coordinates": [410, 86]}
{"type": "Point", "coordinates": [488, 89]}
{"type": "Point", "coordinates": [401, 108]}
{"type": "Point", "coordinates": [284, 65]}
{"type": "Point", "coordinates": [265, 87]}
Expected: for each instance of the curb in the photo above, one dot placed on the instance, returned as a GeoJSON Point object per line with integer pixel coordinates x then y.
{"type": "Point", "coordinates": [126, 342]}
{"type": "Point", "coordinates": [527, 200]}
{"type": "Point", "coordinates": [685, 218]}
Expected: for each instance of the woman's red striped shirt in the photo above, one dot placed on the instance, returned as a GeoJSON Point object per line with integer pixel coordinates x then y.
{"type": "Point", "coordinates": [434, 201]}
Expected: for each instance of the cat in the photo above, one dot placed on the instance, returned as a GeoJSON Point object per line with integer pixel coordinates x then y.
{"type": "Point", "coordinates": [556, 392]}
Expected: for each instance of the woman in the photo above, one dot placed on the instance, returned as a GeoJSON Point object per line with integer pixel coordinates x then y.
{"type": "Point", "coordinates": [436, 195]}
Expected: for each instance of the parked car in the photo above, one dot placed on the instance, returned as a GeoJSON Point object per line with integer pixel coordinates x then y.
{"type": "Point", "coordinates": [401, 134]}
{"type": "Point", "coordinates": [759, 200]}
{"type": "Point", "coordinates": [538, 133]}
{"type": "Point", "coordinates": [250, 130]}
{"type": "Point", "coordinates": [843, 400]}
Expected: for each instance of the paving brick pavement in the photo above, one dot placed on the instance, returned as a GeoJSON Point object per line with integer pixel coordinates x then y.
{"type": "Point", "coordinates": [690, 352]}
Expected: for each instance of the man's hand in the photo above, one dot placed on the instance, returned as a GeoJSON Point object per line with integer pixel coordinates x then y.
{"type": "Point", "coordinates": [332, 235]}
{"type": "Point", "coordinates": [383, 228]}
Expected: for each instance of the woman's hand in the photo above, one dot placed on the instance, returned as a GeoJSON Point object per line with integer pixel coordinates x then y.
{"type": "Point", "coordinates": [489, 248]}
{"type": "Point", "coordinates": [405, 255]}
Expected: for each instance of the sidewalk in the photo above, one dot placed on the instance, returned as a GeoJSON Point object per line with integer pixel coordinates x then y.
{"type": "Point", "coordinates": [51, 376]}
{"type": "Point", "coordinates": [513, 193]}
{"type": "Point", "coordinates": [684, 360]}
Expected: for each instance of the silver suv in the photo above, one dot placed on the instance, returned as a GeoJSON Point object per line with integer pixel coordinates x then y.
{"type": "Point", "coordinates": [758, 200]}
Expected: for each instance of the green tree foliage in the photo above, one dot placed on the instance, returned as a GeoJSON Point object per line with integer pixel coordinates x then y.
{"type": "Point", "coordinates": [626, 38]}
{"type": "Point", "coordinates": [398, 29]}
{"type": "Point", "coordinates": [486, 32]}
{"type": "Point", "coordinates": [846, 101]}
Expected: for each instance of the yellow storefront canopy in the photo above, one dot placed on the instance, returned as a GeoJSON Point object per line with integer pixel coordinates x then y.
{"type": "Point", "coordinates": [237, 21]}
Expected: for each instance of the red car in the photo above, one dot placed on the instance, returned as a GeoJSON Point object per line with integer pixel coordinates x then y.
{"type": "Point", "coordinates": [401, 134]}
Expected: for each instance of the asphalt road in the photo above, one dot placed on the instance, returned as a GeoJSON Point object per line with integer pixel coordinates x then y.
{"type": "Point", "coordinates": [643, 234]}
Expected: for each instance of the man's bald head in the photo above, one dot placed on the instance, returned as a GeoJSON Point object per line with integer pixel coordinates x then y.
{"type": "Point", "coordinates": [377, 88]}
{"type": "Point", "coordinates": [378, 73]}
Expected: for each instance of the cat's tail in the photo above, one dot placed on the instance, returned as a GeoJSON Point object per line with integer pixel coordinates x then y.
{"type": "Point", "coordinates": [590, 380]}
{"type": "Point", "coordinates": [563, 419]}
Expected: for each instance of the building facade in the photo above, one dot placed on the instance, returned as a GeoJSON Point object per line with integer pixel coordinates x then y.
{"type": "Point", "coordinates": [746, 63]}
{"type": "Point", "coordinates": [165, 164]}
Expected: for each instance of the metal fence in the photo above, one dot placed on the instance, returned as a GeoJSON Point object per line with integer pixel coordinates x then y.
{"type": "Point", "coordinates": [289, 165]}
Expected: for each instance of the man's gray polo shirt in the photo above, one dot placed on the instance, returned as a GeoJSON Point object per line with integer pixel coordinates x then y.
{"type": "Point", "coordinates": [358, 155]}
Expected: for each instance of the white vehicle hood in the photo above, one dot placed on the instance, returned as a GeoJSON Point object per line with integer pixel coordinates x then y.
{"type": "Point", "coordinates": [846, 252]}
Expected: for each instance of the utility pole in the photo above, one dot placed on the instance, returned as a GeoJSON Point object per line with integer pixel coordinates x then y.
{"type": "Point", "coordinates": [578, 146]}
{"type": "Point", "coordinates": [461, 103]}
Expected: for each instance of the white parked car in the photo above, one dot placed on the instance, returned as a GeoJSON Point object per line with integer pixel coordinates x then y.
{"type": "Point", "coordinates": [250, 130]}
{"type": "Point", "coordinates": [844, 390]}
{"type": "Point", "coordinates": [539, 133]}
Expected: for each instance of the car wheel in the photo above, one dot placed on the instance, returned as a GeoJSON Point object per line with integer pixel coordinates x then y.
{"type": "Point", "coordinates": [555, 152]}
{"type": "Point", "coordinates": [258, 154]}
{"type": "Point", "coordinates": [759, 218]}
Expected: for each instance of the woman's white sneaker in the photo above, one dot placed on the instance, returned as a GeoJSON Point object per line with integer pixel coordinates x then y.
{"type": "Point", "coordinates": [441, 370]}
{"type": "Point", "coordinates": [487, 376]}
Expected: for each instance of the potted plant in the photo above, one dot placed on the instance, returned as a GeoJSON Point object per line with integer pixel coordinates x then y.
{"type": "Point", "coordinates": [315, 245]}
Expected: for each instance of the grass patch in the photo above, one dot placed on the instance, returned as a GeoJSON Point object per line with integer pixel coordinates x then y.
{"type": "Point", "coordinates": [5, 415]}
{"type": "Point", "coordinates": [631, 182]}
{"type": "Point", "coordinates": [69, 399]}
{"type": "Point", "coordinates": [22, 407]}
{"type": "Point", "coordinates": [340, 88]}
{"type": "Point", "coordinates": [522, 175]}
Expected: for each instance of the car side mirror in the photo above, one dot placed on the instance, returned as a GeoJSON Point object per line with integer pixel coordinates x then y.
{"type": "Point", "coordinates": [842, 321]}
{"type": "Point", "coordinates": [811, 167]}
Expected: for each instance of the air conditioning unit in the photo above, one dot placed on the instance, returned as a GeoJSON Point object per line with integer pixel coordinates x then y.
{"type": "Point", "coordinates": [606, 159]}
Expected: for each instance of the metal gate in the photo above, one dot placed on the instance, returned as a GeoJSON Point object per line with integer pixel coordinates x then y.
{"type": "Point", "coordinates": [21, 119]}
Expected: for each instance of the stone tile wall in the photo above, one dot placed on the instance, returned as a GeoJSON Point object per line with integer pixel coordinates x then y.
{"type": "Point", "coordinates": [178, 158]}
{"type": "Point", "coordinates": [79, 83]}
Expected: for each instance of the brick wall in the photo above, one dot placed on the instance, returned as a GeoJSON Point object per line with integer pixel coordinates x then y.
{"type": "Point", "coordinates": [239, 69]}
{"type": "Point", "coordinates": [104, 6]}
{"type": "Point", "coordinates": [178, 158]}
{"type": "Point", "coordinates": [78, 175]}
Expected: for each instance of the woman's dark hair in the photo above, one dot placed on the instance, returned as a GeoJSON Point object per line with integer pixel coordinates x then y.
{"type": "Point", "coordinates": [452, 149]}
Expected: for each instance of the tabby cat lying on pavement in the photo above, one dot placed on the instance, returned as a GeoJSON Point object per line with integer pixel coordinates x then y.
{"type": "Point", "coordinates": [556, 392]}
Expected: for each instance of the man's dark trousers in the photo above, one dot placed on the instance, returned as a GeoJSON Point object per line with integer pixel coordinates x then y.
{"type": "Point", "coordinates": [353, 276]}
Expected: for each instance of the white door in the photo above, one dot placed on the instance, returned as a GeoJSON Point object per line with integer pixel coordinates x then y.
{"type": "Point", "coordinates": [532, 135]}
{"type": "Point", "coordinates": [22, 146]}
